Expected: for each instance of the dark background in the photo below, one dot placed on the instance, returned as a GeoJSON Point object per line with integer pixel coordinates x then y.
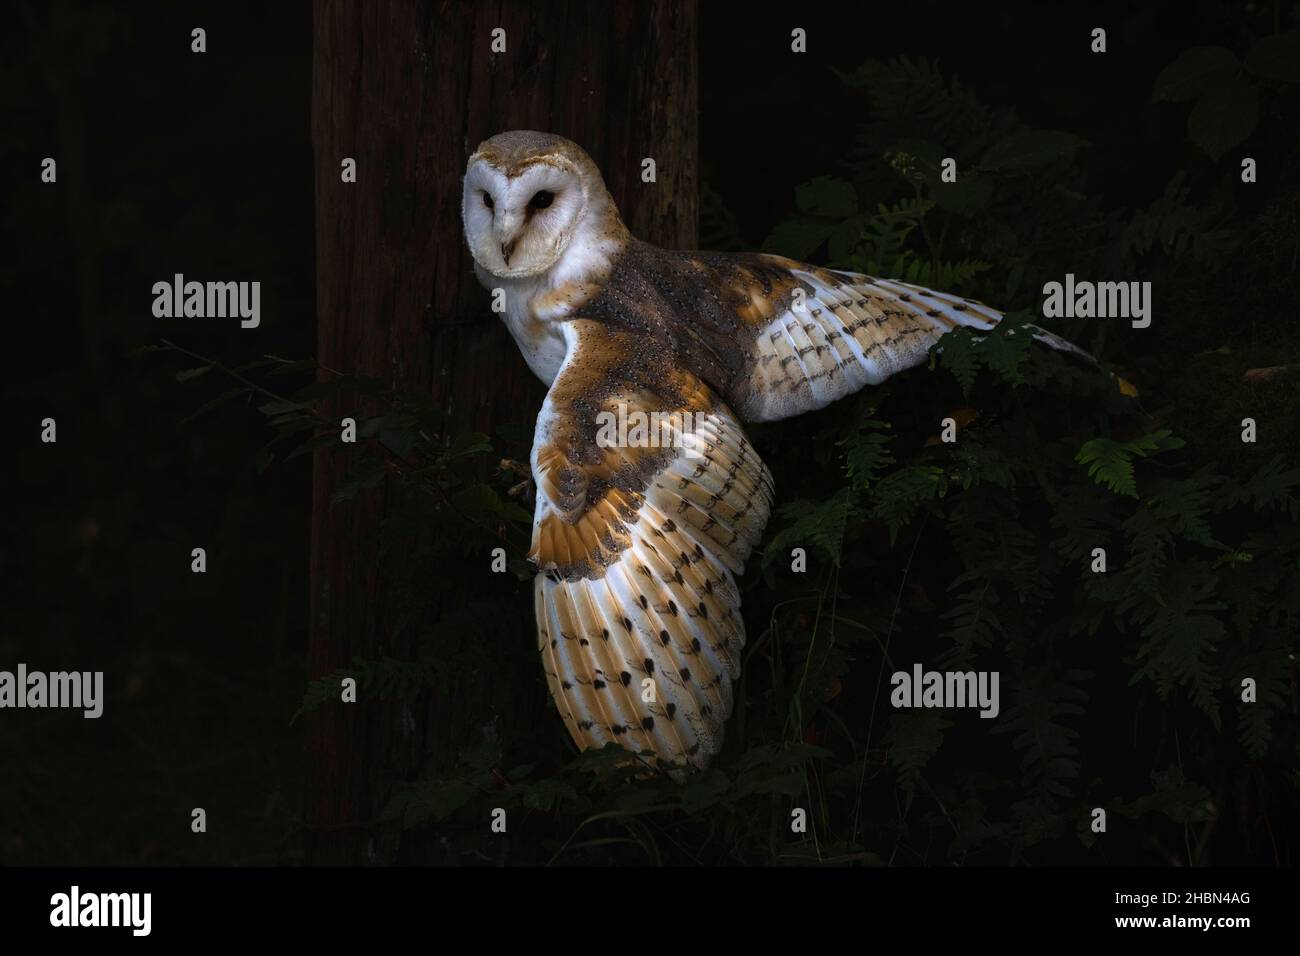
{"type": "Point", "coordinates": [171, 162]}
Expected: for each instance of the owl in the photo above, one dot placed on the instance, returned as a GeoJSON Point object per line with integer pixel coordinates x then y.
{"type": "Point", "coordinates": [649, 495]}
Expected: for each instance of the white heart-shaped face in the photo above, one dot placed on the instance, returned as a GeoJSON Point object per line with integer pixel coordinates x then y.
{"type": "Point", "coordinates": [520, 225]}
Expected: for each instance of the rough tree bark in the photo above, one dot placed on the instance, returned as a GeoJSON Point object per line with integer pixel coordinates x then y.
{"type": "Point", "coordinates": [408, 90]}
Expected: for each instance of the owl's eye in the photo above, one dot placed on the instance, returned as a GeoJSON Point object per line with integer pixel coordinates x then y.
{"type": "Point", "coordinates": [487, 199]}
{"type": "Point", "coordinates": [541, 199]}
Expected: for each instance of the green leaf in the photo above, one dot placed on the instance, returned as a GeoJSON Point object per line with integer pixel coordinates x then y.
{"type": "Point", "coordinates": [1031, 149]}
{"type": "Point", "coordinates": [866, 453]}
{"type": "Point", "coordinates": [1224, 117]}
{"type": "Point", "coordinates": [798, 238]}
{"type": "Point", "coordinates": [547, 795]}
{"type": "Point", "coordinates": [1271, 486]}
{"type": "Point", "coordinates": [957, 354]}
{"type": "Point", "coordinates": [1277, 57]}
{"type": "Point", "coordinates": [928, 152]}
{"type": "Point", "coordinates": [1157, 441]}
{"type": "Point", "coordinates": [1109, 465]}
{"type": "Point", "coordinates": [469, 445]}
{"type": "Point", "coordinates": [817, 523]}
{"type": "Point", "coordinates": [913, 738]}
{"type": "Point", "coordinates": [916, 160]}
{"type": "Point", "coordinates": [1195, 72]}
{"type": "Point", "coordinates": [189, 373]}
{"type": "Point", "coordinates": [281, 408]}
{"type": "Point", "coordinates": [478, 498]}
{"type": "Point", "coordinates": [399, 437]}
{"type": "Point", "coordinates": [214, 402]}
{"type": "Point", "coordinates": [1044, 700]}
{"type": "Point", "coordinates": [1180, 799]}
{"type": "Point", "coordinates": [312, 444]}
{"type": "Point", "coordinates": [967, 196]}
{"type": "Point", "coordinates": [844, 239]}
{"type": "Point", "coordinates": [826, 196]}
{"type": "Point", "coordinates": [1006, 349]}
{"type": "Point", "coordinates": [1111, 462]}
{"type": "Point", "coordinates": [286, 367]}
{"type": "Point", "coordinates": [900, 495]}
{"type": "Point", "coordinates": [367, 474]}
{"type": "Point", "coordinates": [437, 799]}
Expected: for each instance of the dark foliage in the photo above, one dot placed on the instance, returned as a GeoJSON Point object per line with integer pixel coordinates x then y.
{"type": "Point", "coordinates": [1123, 689]}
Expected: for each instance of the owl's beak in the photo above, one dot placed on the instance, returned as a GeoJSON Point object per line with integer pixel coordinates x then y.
{"type": "Point", "coordinates": [507, 248]}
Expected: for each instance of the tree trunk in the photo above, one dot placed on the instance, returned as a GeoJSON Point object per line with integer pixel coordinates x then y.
{"type": "Point", "coordinates": [408, 90]}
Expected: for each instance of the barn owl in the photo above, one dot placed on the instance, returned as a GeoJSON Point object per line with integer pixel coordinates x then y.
{"type": "Point", "coordinates": [638, 540]}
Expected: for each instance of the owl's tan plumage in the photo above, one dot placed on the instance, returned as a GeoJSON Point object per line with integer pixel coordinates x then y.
{"type": "Point", "coordinates": [637, 547]}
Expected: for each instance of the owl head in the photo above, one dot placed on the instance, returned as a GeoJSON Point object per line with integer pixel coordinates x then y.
{"type": "Point", "coordinates": [528, 196]}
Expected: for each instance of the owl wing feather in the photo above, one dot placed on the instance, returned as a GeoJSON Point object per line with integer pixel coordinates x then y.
{"type": "Point", "coordinates": [637, 540]}
{"type": "Point", "coordinates": [825, 334]}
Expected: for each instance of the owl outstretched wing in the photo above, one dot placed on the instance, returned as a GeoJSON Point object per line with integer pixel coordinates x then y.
{"type": "Point", "coordinates": [649, 499]}
{"type": "Point", "coordinates": [819, 334]}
